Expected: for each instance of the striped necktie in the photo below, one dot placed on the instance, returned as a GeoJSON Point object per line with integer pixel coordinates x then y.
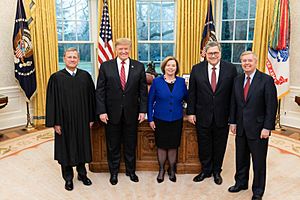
{"type": "Point", "coordinates": [122, 75]}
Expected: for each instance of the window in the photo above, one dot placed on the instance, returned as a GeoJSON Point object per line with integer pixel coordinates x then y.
{"type": "Point", "coordinates": [155, 30]}
{"type": "Point", "coordinates": [74, 30]}
{"type": "Point", "coordinates": [237, 28]}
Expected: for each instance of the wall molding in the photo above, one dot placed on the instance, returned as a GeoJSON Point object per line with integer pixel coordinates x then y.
{"type": "Point", "coordinates": [14, 114]}
{"type": "Point", "coordinates": [290, 111]}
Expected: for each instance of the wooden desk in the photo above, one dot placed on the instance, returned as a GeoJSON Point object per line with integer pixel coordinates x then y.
{"type": "Point", "coordinates": [146, 159]}
{"type": "Point", "coordinates": [3, 101]}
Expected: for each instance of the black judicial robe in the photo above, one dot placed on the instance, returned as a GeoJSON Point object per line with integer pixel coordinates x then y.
{"type": "Point", "coordinates": [70, 103]}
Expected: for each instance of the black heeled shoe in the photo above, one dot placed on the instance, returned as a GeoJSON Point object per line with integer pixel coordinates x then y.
{"type": "Point", "coordinates": [160, 180]}
{"type": "Point", "coordinates": [171, 173]}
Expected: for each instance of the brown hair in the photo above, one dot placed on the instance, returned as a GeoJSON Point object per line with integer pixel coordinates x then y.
{"type": "Point", "coordinates": [166, 60]}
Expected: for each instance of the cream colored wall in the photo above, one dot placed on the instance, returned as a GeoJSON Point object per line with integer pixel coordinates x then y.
{"type": "Point", "coordinates": [14, 113]}
{"type": "Point", "coordinates": [290, 111]}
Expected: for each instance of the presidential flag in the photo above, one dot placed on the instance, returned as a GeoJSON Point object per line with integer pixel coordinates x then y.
{"type": "Point", "coordinates": [105, 44]}
{"type": "Point", "coordinates": [278, 62]}
{"type": "Point", "coordinates": [209, 33]}
{"type": "Point", "coordinates": [23, 53]}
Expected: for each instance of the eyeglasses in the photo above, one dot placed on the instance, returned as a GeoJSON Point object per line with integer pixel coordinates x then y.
{"type": "Point", "coordinates": [213, 53]}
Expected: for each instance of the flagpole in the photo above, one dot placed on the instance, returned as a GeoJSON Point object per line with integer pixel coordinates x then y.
{"type": "Point", "coordinates": [29, 125]}
{"type": "Point", "coordinates": [278, 126]}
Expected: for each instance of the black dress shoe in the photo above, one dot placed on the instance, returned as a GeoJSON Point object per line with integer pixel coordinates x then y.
{"type": "Point", "coordinates": [201, 177]}
{"type": "Point", "coordinates": [256, 197]}
{"type": "Point", "coordinates": [237, 188]}
{"type": "Point", "coordinates": [113, 179]}
{"type": "Point", "coordinates": [85, 180]}
{"type": "Point", "coordinates": [69, 185]}
{"type": "Point", "coordinates": [133, 177]}
{"type": "Point", "coordinates": [218, 178]}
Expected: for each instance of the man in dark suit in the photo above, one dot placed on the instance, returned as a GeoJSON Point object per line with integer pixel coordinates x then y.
{"type": "Point", "coordinates": [210, 87]}
{"type": "Point", "coordinates": [252, 117]}
{"type": "Point", "coordinates": [121, 102]}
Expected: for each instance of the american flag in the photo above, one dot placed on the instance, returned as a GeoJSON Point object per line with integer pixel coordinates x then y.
{"type": "Point", "coordinates": [105, 45]}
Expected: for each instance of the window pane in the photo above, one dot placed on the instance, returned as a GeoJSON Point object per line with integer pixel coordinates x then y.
{"type": "Point", "coordinates": [68, 7]}
{"type": "Point", "coordinates": [241, 30]}
{"type": "Point", "coordinates": [85, 52]}
{"type": "Point", "coordinates": [70, 30]}
{"type": "Point", "coordinates": [142, 11]}
{"type": "Point", "coordinates": [251, 30]}
{"type": "Point", "coordinates": [143, 51]}
{"type": "Point", "coordinates": [154, 30]}
{"type": "Point", "coordinates": [157, 67]}
{"type": "Point", "coordinates": [167, 11]}
{"type": "Point", "coordinates": [61, 53]}
{"type": "Point", "coordinates": [83, 30]}
{"type": "Point", "coordinates": [249, 47]}
{"type": "Point", "coordinates": [58, 10]}
{"type": "Point", "coordinates": [59, 30]}
{"type": "Point", "coordinates": [226, 51]}
{"type": "Point", "coordinates": [82, 9]}
{"type": "Point", "coordinates": [228, 9]}
{"type": "Point", "coordinates": [167, 50]}
{"type": "Point", "coordinates": [242, 9]}
{"type": "Point", "coordinates": [154, 11]}
{"type": "Point", "coordinates": [227, 30]}
{"type": "Point", "coordinates": [252, 8]}
{"type": "Point", "coordinates": [155, 52]}
{"type": "Point", "coordinates": [239, 68]}
{"type": "Point", "coordinates": [237, 50]}
{"type": "Point", "coordinates": [142, 30]}
{"type": "Point", "coordinates": [168, 30]}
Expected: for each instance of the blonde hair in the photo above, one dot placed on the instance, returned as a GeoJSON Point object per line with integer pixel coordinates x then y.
{"type": "Point", "coordinates": [71, 49]}
{"type": "Point", "coordinates": [125, 41]}
{"type": "Point", "coordinates": [166, 60]}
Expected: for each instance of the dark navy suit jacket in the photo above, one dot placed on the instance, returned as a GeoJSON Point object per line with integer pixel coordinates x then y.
{"type": "Point", "coordinates": [164, 104]}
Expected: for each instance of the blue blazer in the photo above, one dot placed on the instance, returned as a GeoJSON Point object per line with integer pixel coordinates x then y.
{"type": "Point", "coordinates": [164, 104]}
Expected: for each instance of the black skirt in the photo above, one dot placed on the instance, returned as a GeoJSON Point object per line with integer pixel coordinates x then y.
{"type": "Point", "coordinates": [168, 134]}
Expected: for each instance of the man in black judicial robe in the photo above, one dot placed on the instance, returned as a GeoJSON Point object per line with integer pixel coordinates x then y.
{"type": "Point", "coordinates": [70, 106]}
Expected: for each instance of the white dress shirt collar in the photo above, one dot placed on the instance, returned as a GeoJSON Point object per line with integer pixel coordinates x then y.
{"type": "Point", "coordinates": [71, 72]}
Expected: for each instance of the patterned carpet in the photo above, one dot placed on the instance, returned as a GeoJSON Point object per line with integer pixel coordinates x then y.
{"type": "Point", "coordinates": [13, 146]}
{"type": "Point", "coordinates": [29, 172]}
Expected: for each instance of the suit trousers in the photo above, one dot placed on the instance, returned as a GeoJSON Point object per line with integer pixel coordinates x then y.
{"type": "Point", "coordinates": [212, 143]}
{"type": "Point", "coordinates": [121, 133]}
{"type": "Point", "coordinates": [68, 174]}
{"type": "Point", "coordinates": [258, 150]}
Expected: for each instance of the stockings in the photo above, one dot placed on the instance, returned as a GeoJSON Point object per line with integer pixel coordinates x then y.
{"type": "Point", "coordinates": [162, 155]}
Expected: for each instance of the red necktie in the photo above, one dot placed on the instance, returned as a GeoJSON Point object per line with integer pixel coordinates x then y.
{"type": "Point", "coordinates": [213, 79]}
{"type": "Point", "coordinates": [122, 76]}
{"type": "Point", "coordinates": [246, 88]}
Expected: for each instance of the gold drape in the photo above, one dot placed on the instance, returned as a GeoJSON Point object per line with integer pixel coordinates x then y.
{"type": "Point", "coordinates": [191, 17]}
{"type": "Point", "coordinates": [45, 50]}
{"type": "Point", "coordinates": [122, 20]}
{"type": "Point", "coordinates": [262, 29]}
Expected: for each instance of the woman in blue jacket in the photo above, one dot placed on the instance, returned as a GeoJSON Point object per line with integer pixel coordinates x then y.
{"type": "Point", "coordinates": [165, 114]}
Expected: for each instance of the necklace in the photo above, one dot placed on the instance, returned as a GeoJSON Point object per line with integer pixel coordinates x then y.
{"type": "Point", "coordinates": [171, 81]}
